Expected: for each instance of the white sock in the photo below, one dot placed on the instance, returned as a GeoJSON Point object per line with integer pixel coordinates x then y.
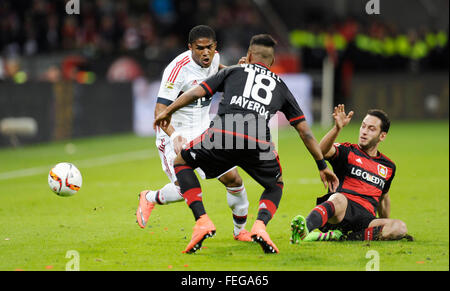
{"type": "Point", "coordinates": [168, 194]}
{"type": "Point", "coordinates": [237, 201]}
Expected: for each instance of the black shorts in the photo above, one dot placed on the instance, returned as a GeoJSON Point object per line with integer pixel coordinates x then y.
{"type": "Point", "coordinates": [356, 217]}
{"type": "Point", "coordinates": [261, 165]}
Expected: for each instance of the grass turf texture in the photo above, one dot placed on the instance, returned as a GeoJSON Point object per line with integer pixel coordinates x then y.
{"type": "Point", "coordinates": [38, 228]}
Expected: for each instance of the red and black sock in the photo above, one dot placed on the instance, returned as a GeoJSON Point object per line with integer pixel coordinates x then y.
{"type": "Point", "coordinates": [268, 204]}
{"type": "Point", "coordinates": [370, 233]}
{"type": "Point", "coordinates": [320, 215]}
{"type": "Point", "coordinates": [190, 189]}
{"type": "Point", "coordinates": [239, 219]}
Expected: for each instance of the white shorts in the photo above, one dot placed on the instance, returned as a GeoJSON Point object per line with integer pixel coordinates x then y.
{"type": "Point", "coordinates": [167, 155]}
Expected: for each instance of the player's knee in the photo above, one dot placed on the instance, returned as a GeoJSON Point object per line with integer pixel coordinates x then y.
{"type": "Point", "coordinates": [395, 230]}
{"type": "Point", "coordinates": [400, 228]}
{"type": "Point", "coordinates": [237, 180]}
{"type": "Point", "coordinates": [279, 184]}
{"type": "Point", "coordinates": [274, 189]}
{"type": "Point", "coordinates": [231, 179]}
{"type": "Point", "coordinates": [280, 180]}
{"type": "Point", "coordinates": [339, 201]}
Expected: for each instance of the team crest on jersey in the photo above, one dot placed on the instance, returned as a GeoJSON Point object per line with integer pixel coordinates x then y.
{"type": "Point", "coordinates": [194, 83]}
{"type": "Point", "coordinates": [169, 85]}
{"type": "Point", "coordinates": [382, 171]}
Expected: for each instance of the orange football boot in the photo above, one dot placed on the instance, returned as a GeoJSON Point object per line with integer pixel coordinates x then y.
{"type": "Point", "coordinates": [244, 235]}
{"type": "Point", "coordinates": [204, 228]}
{"type": "Point", "coordinates": [144, 209]}
{"type": "Point", "coordinates": [260, 235]}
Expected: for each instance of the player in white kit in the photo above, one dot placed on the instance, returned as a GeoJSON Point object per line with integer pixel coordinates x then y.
{"type": "Point", "coordinates": [188, 70]}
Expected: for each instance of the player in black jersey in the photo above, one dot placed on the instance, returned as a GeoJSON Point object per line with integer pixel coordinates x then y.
{"type": "Point", "coordinates": [240, 136]}
{"type": "Point", "coordinates": [365, 176]}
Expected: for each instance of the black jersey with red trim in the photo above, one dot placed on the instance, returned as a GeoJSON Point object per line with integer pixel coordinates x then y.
{"type": "Point", "coordinates": [362, 179]}
{"type": "Point", "coordinates": [252, 94]}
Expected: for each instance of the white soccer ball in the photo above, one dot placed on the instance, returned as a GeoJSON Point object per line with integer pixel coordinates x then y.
{"type": "Point", "coordinates": [65, 179]}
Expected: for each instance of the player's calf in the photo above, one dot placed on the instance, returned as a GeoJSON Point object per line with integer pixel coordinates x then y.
{"type": "Point", "coordinates": [268, 203]}
{"type": "Point", "coordinates": [332, 210]}
{"type": "Point", "coordinates": [381, 229]}
{"type": "Point", "coordinates": [238, 203]}
{"type": "Point", "coordinates": [320, 215]}
{"type": "Point", "coordinates": [394, 230]}
{"type": "Point", "coordinates": [190, 189]}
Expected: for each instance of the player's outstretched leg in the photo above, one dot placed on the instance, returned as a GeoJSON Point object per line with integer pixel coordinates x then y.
{"type": "Point", "coordinates": [168, 194]}
{"type": "Point", "coordinates": [204, 228]}
{"type": "Point", "coordinates": [332, 235]}
{"type": "Point", "coordinates": [148, 199]}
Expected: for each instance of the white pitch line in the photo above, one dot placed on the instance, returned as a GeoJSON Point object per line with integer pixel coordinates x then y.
{"type": "Point", "coordinates": [87, 163]}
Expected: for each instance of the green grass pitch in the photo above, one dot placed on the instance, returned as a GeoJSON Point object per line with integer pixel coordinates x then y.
{"type": "Point", "coordinates": [38, 229]}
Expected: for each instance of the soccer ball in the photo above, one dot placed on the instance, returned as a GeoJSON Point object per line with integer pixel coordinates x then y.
{"type": "Point", "coordinates": [64, 179]}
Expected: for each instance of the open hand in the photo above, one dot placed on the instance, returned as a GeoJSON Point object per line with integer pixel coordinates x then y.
{"type": "Point", "coordinates": [340, 118]}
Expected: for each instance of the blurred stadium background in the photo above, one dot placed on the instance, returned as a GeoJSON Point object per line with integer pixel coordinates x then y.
{"type": "Point", "coordinates": [97, 72]}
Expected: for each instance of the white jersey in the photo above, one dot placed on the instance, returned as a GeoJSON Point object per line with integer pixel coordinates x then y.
{"type": "Point", "coordinates": [180, 75]}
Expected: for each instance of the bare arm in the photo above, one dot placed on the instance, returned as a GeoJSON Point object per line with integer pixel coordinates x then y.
{"type": "Point", "coordinates": [309, 140]}
{"type": "Point", "coordinates": [326, 144]}
{"type": "Point", "coordinates": [384, 207]}
{"type": "Point", "coordinates": [158, 109]}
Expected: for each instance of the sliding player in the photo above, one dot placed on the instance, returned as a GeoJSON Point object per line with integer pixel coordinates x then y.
{"type": "Point", "coordinates": [365, 177]}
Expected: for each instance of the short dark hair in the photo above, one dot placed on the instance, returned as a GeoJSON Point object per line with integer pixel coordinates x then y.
{"type": "Point", "coordinates": [264, 40]}
{"type": "Point", "coordinates": [385, 122]}
{"type": "Point", "coordinates": [201, 31]}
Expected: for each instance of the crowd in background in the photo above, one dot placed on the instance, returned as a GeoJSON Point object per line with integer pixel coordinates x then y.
{"type": "Point", "coordinates": [374, 45]}
{"type": "Point", "coordinates": [106, 26]}
{"type": "Point", "coordinates": [158, 29]}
